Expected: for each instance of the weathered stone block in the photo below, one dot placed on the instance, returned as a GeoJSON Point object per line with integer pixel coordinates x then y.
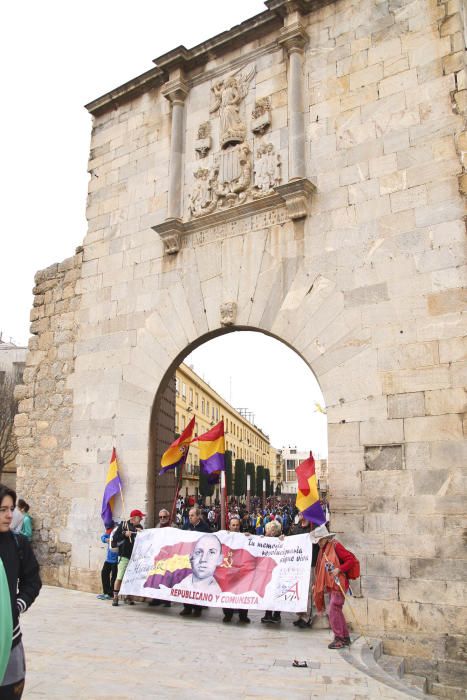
{"type": "Point", "coordinates": [371, 294]}
{"type": "Point", "coordinates": [381, 432]}
{"type": "Point", "coordinates": [408, 380]}
{"type": "Point", "coordinates": [446, 401]}
{"type": "Point", "coordinates": [379, 587]}
{"type": "Point", "coordinates": [438, 569]}
{"type": "Point", "coordinates": [406, 405]}
{"type": "Point", "coordinates": [384, 457]}
{"type": "Point", "coordinates": [431, 428]}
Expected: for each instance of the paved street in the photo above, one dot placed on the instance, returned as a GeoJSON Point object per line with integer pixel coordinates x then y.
{"type": "Point", "coordinates": [80, 647]}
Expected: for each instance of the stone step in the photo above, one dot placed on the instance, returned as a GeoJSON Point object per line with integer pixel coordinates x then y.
{"type": "Point", "coordinates": [414, 681]}
{"type": "Point", "coordinates": [394, 665]}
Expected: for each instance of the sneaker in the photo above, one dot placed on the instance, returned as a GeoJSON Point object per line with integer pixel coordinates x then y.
{"type": "Point", "coordinates": [267, 619]}
{"type": "Point", "coordinates": [129, 602]}
{"type": "Point", "coordinates": [115, 602]}
{"type": "Point", "coordinates": [347, 641]}
{"type": "Point", "coordinates": [276, 617]}
{"type": "Point", "coordinates": [101, 596]}
{"type": "Point", "coordinates": [246, 620]}
{"type": "Point", "coordinates": [185, 613]}
{"type": "Point", "coordinates": [227, 618]}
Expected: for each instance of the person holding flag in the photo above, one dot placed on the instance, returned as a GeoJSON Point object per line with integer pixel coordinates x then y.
{"type": "Point", "coordinates": [311, 514]}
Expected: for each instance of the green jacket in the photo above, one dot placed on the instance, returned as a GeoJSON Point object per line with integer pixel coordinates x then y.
{"type": "Point", "coordinates": [6, 621]}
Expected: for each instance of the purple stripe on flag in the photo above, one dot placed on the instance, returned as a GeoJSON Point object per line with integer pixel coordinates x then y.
{"type": "Point", "coordinates": [180, 463]}
{"type": "Point", "coordinates": [315, 514]}
{"type": "Point", "coordinates": [214, 463]}
{"type": "Point", "coordinates": [111, 490]}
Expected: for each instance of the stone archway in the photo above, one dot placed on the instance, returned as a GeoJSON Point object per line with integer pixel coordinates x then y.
{"type": "Point", "coordinates": [161, 430]}
{"type": "Point", "coordinates": [316, 216]}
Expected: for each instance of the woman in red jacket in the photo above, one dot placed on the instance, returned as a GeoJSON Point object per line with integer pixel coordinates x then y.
{"type": "Point", "coordinates": [333, 563]}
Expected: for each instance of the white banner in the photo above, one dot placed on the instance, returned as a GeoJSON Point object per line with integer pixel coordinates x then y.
{"type": "Point", "coordinates": [222, 569]}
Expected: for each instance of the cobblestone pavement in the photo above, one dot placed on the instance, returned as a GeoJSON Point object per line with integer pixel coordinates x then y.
{"type": "Point", "coordinates": [81, 647]}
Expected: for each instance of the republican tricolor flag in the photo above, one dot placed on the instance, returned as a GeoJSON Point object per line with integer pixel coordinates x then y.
{"type": "Point", "coordinates": [212, 452]}
{"type": "Point", "coordinates": [177, 453]}
{"type": "Point", "coordinates": [307, 493]}
{"type": "Point", "coordinates": [113, 486]}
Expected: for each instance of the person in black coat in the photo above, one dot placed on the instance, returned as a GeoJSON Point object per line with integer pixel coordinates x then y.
{"type": "Point", "coordinates": [22, 571]}
{"type": "Point", "coordinates": [197, 524]}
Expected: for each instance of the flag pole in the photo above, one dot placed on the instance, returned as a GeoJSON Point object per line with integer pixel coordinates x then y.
{"type": "Point", "coordinates": [223, 495]}
{"type": "Point", "coordinates": [178, 485]}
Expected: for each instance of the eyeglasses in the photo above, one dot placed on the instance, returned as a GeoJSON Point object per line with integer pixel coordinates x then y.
{"type": "Point", "coordinates": [163, 517]}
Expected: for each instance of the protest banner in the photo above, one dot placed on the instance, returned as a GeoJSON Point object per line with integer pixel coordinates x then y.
{"type": "Point", "coordinates": [222, 569]}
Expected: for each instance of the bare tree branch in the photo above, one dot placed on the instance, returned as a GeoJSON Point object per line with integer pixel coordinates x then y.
{"type": "Point", "coordinates": [8, 410]}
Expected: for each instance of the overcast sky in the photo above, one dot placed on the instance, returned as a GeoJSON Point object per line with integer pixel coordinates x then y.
{"type": "Point", "coordinates": [56, 56]}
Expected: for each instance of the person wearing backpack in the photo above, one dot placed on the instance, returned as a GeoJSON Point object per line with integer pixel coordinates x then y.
{"type": "Point", "coordinates": [123, 538]}
{"type": "Point", "coordinates": [109, 568]}
{"type": "Point", "coordinates": [24, 583]}
{"type": "Point", "coordinates": [334, 566]}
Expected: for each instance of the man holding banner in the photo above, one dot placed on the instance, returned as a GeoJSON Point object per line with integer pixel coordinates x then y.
{"type": "Point", "coordinates": [197, 524]}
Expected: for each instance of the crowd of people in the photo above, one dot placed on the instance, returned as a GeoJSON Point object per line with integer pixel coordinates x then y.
{"type": "Point", "coordinates": [330, 560]}
{"type": "Point", "coordinates": [20, 581]}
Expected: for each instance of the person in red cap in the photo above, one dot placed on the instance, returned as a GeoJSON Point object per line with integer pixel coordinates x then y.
{"type": "Point", "coordinates": [124, 537]}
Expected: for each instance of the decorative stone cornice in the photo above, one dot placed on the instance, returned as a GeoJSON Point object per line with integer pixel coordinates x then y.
{"type": "Point", "coordinates": [296, 195]}
{"type": "Point", "coordinates": [187, 59]}
{"type": "Point", "coordinates": [152, 78]}
{"type": "Point", "coordinates": [176, 90]}
{"type": "Point", "coordinates": [293, 38]}
{"type": "Point", "coordinates": [170, 231]}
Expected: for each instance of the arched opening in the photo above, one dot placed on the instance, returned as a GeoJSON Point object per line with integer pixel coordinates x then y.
{"type": "Point", "coordinates": [275, 438]}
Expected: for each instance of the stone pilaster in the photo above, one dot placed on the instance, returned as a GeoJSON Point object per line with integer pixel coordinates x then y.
{"type": "Point", "coordinates": [176, 91]}
{"type": "Point", "coordinates": [293, 38]}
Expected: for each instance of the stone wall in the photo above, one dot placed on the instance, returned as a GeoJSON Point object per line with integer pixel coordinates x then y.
{"type": "Point", "coordinates": [368, 287]}
{"type": "Point", "coordinates": [43, 422]}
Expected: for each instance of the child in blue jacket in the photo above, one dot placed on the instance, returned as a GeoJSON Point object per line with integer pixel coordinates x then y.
{"type": "Point", "coordinates": [109, 569]}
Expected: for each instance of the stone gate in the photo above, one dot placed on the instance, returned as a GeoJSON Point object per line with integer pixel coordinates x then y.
{"type": "Point", "coordinates": [300, 175]}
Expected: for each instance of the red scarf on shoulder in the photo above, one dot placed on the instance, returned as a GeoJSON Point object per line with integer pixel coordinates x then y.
{"type": "Point", "coordinates": [324, 580]}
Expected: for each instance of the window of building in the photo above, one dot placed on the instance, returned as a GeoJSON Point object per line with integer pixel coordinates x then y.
{"type": "Point", "coordinates": [190, 396]}
{"type": "Point", "coordinates": [18, 370]}
{"type": "Point", "coordinates": [196, 429]}
{"type": "Point", "coordinates": [183, 391]}
{"type": "Point", "coordinates": [177, 422]}
{"type": "Point", "coordinates": [177, 386]}
{"type": "Point", "coordinates": [207, 408]}
{"type": "Point", "coordinates": [202, 406]}
{"type": "Point", "coordinates": [183, 422]}
{"type": "Point", "coordinates": [196, 400]}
